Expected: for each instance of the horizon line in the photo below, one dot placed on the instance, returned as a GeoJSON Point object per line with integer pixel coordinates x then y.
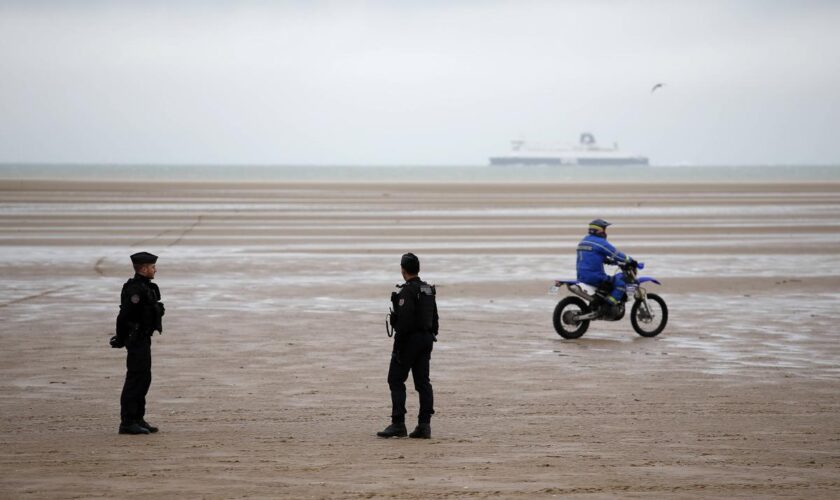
{"type": "Point", "coordinates": [384, 165]}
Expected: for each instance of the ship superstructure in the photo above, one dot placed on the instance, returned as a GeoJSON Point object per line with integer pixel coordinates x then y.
{"type": "Point", "coordinates": [586, 152]}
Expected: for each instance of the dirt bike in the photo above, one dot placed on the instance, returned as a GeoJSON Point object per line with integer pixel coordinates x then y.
{"type": "Point", "coordinates": [648, 315]}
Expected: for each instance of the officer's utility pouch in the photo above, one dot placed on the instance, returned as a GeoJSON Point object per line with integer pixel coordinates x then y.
{"type": "Point", "coordinates": [116, 342]}
{"type": "Point", "coordinates": [427, 309]}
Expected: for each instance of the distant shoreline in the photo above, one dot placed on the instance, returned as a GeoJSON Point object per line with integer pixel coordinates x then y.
{"type": "Point", "coordinates": [6, 164]}
{"type": "Point", "coordinates": [638, 187]}
{"type": "Point", "coordinates": [397, 174]}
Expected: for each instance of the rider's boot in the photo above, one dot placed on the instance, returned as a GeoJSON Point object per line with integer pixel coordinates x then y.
{"type": "Point", "coordinates": [614, 312]}
{"type": "Point", "coordinates": [611, 307]}
{"type": "Point", "coordinates": [596, 304]}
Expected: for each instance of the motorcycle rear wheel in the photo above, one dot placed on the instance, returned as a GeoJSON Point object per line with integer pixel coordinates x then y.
{"type": "Point", "coordinates": [570, 329]}
{"type": "Point", "coordinates": [649, 323]}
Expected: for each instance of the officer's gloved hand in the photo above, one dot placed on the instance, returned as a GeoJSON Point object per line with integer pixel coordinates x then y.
{"type": "Point", "coordinates": [640, 265]}
{"type": "Point", "coordinates": [116, 342]}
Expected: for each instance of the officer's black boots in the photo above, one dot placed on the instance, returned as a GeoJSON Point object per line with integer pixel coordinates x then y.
{"type": "Point", "coordinates": [393, 430]}
{"type": "Point", "coordinates": [133, 428]}
{"type": "Point", "coordinates": [422, 431]}
{"type": "Point", "coordinates": [151, 428]}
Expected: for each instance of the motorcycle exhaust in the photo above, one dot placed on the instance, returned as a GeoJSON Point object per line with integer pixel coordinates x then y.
{"type": "Point", "coordinates": [587, 316]}
{"type": "Point", "coordinates": [580, 292]}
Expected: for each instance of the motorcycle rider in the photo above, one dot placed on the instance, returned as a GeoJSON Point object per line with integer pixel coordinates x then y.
{"type": "Point", "coordinates": [593, 252]}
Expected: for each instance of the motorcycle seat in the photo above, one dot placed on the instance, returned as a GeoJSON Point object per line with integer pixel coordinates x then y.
{"type": "Point", "coordinates": [584, 288]}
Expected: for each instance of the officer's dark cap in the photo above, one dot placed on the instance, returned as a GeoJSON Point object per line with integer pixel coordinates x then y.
{"type": "Point", "coordinates": [143, 258]}
{"type": "Point", "coordinates": [410, 263]}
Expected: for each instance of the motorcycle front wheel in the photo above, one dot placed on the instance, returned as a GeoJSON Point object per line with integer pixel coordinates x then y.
{"type": "Point", "coordinates": [564, 318]}
{"type": "Point", "coordinates": [649, 322]}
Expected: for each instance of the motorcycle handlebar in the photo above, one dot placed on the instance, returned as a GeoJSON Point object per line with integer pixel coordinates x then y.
{"type": "Point", "coordinates": [637, 264]}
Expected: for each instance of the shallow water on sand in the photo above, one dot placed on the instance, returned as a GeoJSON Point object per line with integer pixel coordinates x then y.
{"type": "Point", "coordinates": [717, 332]}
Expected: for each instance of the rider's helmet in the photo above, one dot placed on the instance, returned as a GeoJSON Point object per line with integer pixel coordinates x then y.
{"type": "Point", "coordinates": [599, 227]}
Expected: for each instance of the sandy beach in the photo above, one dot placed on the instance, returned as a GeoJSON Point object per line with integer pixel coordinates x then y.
{"type": "Point", "coordinates": [269, 379]}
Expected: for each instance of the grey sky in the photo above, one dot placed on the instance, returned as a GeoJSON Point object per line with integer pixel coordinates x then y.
{"type": "Point", "coordinates": [416, 82]}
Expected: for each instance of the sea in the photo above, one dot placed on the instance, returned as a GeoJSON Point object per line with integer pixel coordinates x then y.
{"type": "Point", "coordinates": [424, 173]}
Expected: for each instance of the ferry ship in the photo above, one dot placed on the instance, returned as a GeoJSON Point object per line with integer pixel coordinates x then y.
{"type": "Point", "coordinates": [586, 152]}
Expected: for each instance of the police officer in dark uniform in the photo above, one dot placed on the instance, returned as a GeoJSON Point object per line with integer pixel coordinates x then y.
{"type": "Point", "coordinates": [140, 315]}
{"type": "Point", "coordinates": [414, 318]}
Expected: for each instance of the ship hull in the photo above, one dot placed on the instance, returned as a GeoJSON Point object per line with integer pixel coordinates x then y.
{"type": "Point", "coordinates": [514, 160]}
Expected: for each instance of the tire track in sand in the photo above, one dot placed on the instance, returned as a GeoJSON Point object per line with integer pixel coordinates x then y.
{"type": "Point", "coordinates": [98, 266]}
{"type": "Point", "coordinates": [32, 297]}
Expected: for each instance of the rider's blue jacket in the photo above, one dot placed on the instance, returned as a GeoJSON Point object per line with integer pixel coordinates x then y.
{"type": "Point", "coordinates": [592, 253]}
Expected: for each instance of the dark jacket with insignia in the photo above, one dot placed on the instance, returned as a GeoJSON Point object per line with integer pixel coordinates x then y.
{"type": "Point", "coordinates": [141, 310]}
{"type": "Point", "coordinates": [414, 309]}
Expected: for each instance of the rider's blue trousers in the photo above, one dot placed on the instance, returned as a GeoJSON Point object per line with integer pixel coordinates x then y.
{"type": "Point", "coordinates": [619, 287]}
{"type": "Point", "coordinates": [617, 282]}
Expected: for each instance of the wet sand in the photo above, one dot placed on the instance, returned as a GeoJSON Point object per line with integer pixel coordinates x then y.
{"type": "Point", "coordinates": [269, 380]}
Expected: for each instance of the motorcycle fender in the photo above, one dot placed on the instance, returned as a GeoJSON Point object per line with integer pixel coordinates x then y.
{"type": "Point", "coordinates": [641, 294]}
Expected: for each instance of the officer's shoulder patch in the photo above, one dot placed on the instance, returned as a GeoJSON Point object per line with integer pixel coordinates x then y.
{"type": "Point", "coordinates": [402, 301]}
{"type": "Point", "coordinates": [135, 299]}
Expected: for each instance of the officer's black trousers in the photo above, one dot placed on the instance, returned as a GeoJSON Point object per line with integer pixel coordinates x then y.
{"type": "Point", "coordinates": [412, 354]}
{"type": "Point", "coordinates": [138, 378]}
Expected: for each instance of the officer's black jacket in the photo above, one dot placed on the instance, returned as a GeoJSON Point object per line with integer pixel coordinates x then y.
{"type": "Point", "coordinates": [415, 310]}
{"type": "Point", "coordinates": [140, 308]}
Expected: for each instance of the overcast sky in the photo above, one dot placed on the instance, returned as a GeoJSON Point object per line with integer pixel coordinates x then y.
{"type": "Point", "coordinates": [425, 82]}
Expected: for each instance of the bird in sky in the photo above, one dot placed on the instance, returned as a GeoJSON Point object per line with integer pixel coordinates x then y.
{"type": "Point", "coordinates": [656, 87]}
